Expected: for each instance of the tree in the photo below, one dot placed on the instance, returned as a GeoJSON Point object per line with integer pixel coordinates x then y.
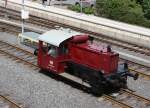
{"type": "Point", "coordinates": [123, 10]}
{"type": "Point", "coordinates": [139, 1]}
{"type": "Point", "coordinates": [146, 8]}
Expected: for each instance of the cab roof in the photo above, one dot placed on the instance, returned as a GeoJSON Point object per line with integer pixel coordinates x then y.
{"type": "Point", "coordinates": [56, 37]}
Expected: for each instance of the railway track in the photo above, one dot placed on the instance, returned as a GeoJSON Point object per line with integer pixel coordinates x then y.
{"type": "Point", "coordinates": [26, 57]}
{"type": "Point", "coordinates": [18, 54]}
{"type": "Point", "coordinates": [10, 28]}
{"type": "Point", "coordinates": [144, 71]}
{"type": "Point", "coordinates": [15, 15]}
{"type": "Point", "coordinates": [7, 103]}
{"type": "Point", "coordinates": [128, 99]}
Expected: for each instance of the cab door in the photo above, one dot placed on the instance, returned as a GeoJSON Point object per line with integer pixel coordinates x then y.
{"type": "Point", "coordinates": [51, 59]}
{"type": "Point", "coordinates": [47, 59]}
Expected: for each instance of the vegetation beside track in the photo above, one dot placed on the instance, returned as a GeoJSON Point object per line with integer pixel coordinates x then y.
{"type": "Point", "coordinates": [129, 11]}
{"type": "Point", "coordinates": [86, 10]}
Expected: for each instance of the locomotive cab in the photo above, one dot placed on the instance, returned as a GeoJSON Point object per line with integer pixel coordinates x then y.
{"type": "Point", "coordinates": [53, 52]}
{"type": "Point", "coordinates": [50, 58]}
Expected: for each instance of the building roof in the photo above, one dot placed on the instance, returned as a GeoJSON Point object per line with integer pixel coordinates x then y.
{"type": "Point", "coordinates": [56, 37]}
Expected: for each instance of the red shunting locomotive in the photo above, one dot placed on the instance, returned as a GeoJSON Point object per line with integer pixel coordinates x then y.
{"type": "Point", "coordinates": [72, 52]}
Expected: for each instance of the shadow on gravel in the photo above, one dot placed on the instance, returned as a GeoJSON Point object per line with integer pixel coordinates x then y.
{"type": "Point", "coordinates": [74, 84]}
{"type": "Point", "coordinates": [66, 81]}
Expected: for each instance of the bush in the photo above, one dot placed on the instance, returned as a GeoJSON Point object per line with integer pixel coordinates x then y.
{"type": "Point", "coordinates": [122, 10]}
{"type": "Point", "coordinates": [75, 8]}
{"type": "Point", "coordinates": [86, 10]}
{"type": "Point", "coordinates": [146, 8]}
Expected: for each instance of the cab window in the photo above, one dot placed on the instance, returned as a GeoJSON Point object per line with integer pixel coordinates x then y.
{"type": "Point", "coordinates": [44, 47]}
{"type": "Point", "coordinates": [52, 50]}
{"type": "Point", "coordinates": [63, 50]}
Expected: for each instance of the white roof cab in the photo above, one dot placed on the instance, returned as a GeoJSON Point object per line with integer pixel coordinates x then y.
{"type": "Point", "coordinates": [56, 37]}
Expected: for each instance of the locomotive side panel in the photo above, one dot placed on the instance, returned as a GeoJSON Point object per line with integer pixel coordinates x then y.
{"type": "Point", "coordinates": [114, 59]}
{"type": "Point", "coordinates": [82, 56]}
{"type": "Point", "coordinates": [104, 62]}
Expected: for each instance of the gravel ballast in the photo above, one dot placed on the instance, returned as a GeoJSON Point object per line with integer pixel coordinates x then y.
{"type": "Point", "coordinates": [36, 90]}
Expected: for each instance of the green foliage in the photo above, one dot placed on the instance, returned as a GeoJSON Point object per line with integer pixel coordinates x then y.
{"type": "Point", "coordinates": [129, 11]}
{"type": "Point", "coordinates": [75, 8]}
{"type": "Point", "coordinates": [123, 10]}
{"type": "Point", "coordinates": [139, 1]}
{"type": "Point", "coordinates": [146, 8]}
{"type": "Point", "coordinates": [86, 10]}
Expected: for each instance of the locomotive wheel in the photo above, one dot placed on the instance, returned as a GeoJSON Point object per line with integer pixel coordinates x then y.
{"type": "Point", "coordinates": [97, 90]}
{"type": "Point", "coordinates": [122, 82]}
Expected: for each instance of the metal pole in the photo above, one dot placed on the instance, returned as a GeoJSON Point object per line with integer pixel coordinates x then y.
{"type": "Point", "coordinates": [81, 6]}
{"type": "Point", "coordinates": [22, 18]}
{"type": "Point", "coordinates": [49, 2]}
{"type": "Point", "coordinates": [5, 3]}
{"type": "Point", "coordinates": [6, 16]}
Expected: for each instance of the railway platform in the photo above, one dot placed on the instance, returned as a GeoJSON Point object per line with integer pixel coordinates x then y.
{"type": "Point", "coordinates": [113, 29]}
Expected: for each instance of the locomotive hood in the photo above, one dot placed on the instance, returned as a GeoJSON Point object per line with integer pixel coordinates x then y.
{"type": "Point", "coordinates": [56, 37]}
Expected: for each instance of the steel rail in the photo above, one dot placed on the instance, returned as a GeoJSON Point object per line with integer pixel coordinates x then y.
{"type": "Point", "coordinates": [135, 95]}
{"type": "Point", "coordinates": [141, 73]}
{"type": "Point", "coordinates": [28, 26]}
{"type": "Point", "coordinates": [123, 105]}
{"type": "Point", "coordinates": [108, 97]}
{"type": "Point", "coordinates": [18, 58]}
{"type": "Point", "coordinates": [35, 65]}
{"type": "Point", "coordinates": [69, 16]}
{"type": "Point", "coordinates": [145, 52]}
{"type": "Point", "coordinates": [32, 19]}
{"type": "Point", "coordinates": [138, 65]}
{"type": "Point", "coordinates": [18, 48]}
{"type": "Point", "coordinates": [9, 28]}
{"type": "Point", "coordinates": [125, 45]}
{"type": "Point", "coordinates": [129, 61]}
{"type": "Point", "coordinates": [46, 23]}
{"type": "Point", "coordinates": [11, 103]}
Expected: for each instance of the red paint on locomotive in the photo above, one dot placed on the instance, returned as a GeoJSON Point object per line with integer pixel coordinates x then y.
{"type": "Point", "coordinates": [61, 51]}
{"type": "Point", "coordinates": [80, 51]}
{"type": "Point", "coordinates": [54, 64]}
{"type": "Point", "coordinates": [95, 57]}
